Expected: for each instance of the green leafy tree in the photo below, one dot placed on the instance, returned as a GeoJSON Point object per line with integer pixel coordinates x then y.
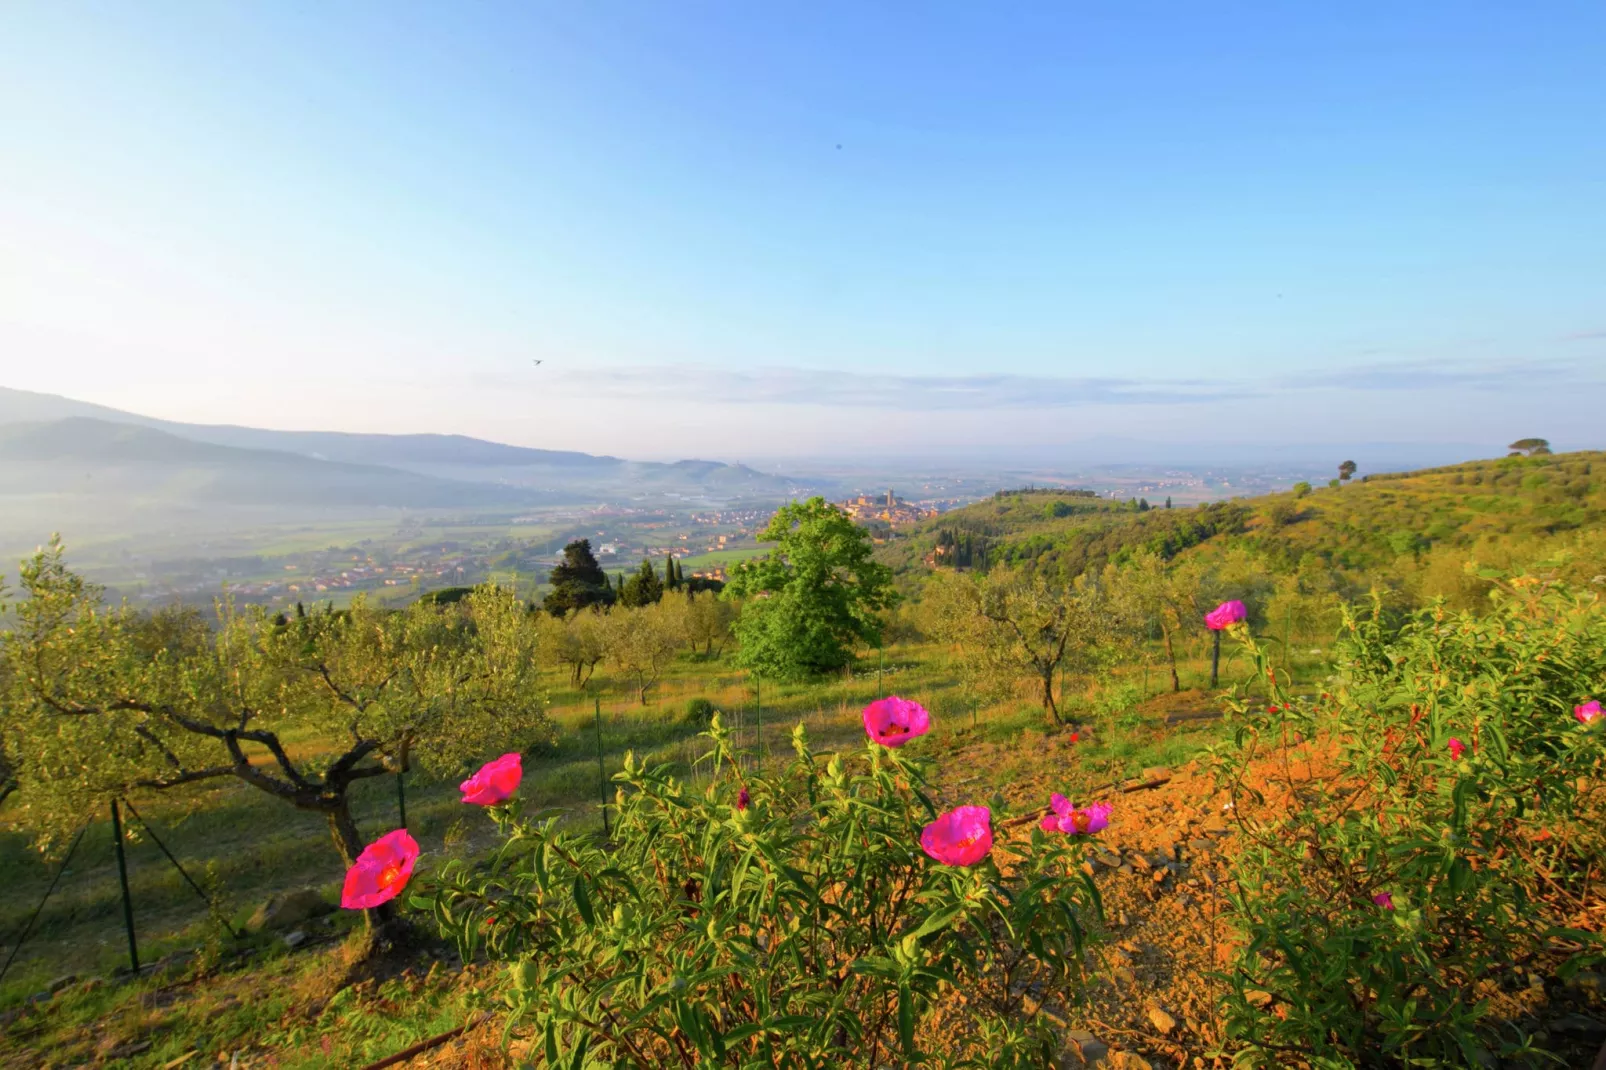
{"type": "Point", "coordinates": [641, 643]}
{"type": "Point", "coordinates": [813, 597]}
{"type": "Point", "coordinates": [1301, 489]}
{"type": "Point", "coordinates": [1532, 447]}
{"type": "Point", "coordinates": [578, 582]}
{"type": "Point", "coordinates": [1153, 592]}
{"type": "Point", "coordinates": [708, 622]}
{"type": "Point", "coordinates": [1346, 471]}
{"type": "Point", "coordinates": [118, 704]}
{"type": "Point", "coordinates": [574, 642]}
{"type": "Point", "coordinates": [1010, 624]}
{"type": "Point", "coordinates": [642, 589]}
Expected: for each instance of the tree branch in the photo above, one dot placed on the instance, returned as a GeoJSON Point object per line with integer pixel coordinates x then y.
{"type": "Point", "coordinates": [343, 767]}
{"type": "Point", "coordinates": [270, 740]}
{"type": "Point", "coordinates": [189, 778]}
{"type": "Point", "coordinates": [252, 775]}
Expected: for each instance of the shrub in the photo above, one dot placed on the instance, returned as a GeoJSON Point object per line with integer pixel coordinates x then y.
{"type": "Point", "coordinates": [699, 711]}
{"type": "Point", "coordinates": [1431, 843]}
{"type": "Point", "coordinates": [790, 921]}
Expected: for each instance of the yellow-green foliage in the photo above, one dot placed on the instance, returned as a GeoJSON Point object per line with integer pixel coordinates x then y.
{"type": "Point", "coordinates": [1412, 533]}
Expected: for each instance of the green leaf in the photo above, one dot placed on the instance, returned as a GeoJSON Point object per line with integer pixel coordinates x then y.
{"type": "Point", "coordinates": [582, 901]}
{"type": "Point", "coordinates": [906, 1019]}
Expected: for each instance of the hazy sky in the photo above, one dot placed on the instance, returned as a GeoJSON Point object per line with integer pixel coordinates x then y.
{"type": "Point", "coordinates": [758, 228]}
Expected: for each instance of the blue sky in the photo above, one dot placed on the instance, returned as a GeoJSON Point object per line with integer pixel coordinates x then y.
{"type": "Point", "coordinates": [754, 229]}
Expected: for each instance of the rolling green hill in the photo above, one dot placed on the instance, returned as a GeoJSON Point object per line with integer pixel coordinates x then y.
{"type": "Point", "coordinates": [1414, 528]}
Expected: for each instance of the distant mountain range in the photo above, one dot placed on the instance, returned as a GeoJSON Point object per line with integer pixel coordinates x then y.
{"type": "Point", "coordinates": [55, 446]}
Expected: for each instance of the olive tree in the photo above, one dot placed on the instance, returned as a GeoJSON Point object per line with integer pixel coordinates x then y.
{"type": "Point", "coordinates": [574, 642]}
{"type": "Point", "coordinates": [114, 702]}
{"type": "Point", "coordinates": [641, 643]}
{"type": "Point", "coordinates": [708, 622]}
{"type": "Point", "coordinates": [1011, 623]}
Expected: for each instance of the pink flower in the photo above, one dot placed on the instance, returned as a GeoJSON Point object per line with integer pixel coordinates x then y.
{"type": "Point", "coordinates": [961, 837]}
{"type": "Point", "coordinates": [496, 780]}
{"type": "Point", "coordinates": [894, 721]}
{"type": "Point", "coordinates": [1225, 614]}
{"type": "Point", "coordinates": [1588, 712]}
{"type": "Point", "coordinates": [743, 799]}
{"type": "Point", "coordinates": [1457, 748]}
{"type": "Point", "coordinates": [1384, 900]}
{"type": "Point", "coordinates": [380, 872]}
{"type": "Point", "coordinates": [1071, 821]}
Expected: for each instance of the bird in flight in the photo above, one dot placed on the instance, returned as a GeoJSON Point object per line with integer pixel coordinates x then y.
{"type": "Point", "coordinates": [538, 362]}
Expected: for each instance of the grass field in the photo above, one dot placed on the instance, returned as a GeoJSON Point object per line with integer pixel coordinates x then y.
{"type": "Point", "coordinates": [723, 558]}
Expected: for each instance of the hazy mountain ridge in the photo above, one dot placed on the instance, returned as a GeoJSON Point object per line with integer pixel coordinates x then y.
{"type": "Point", "coordinates": [118, 463]}
{"type": "Point", "coordinates": [445, 458]}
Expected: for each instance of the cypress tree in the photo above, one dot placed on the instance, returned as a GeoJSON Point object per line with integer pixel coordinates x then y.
{"type": "Point", "coordinates": [578, 581]}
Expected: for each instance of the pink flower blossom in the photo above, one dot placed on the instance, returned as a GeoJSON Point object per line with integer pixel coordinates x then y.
{"type": "Point", "coordinates": [1588, 713]}
{"type": "Point", "coordinates": [743, 799]}
{"type": "Point", "coordinates": [1384, 900]}
{"type": "Point", "coordinates": [1068, 819]}
{"type": "Point", "coordinates": [496, 780]}
{"type": "Point", "coordinates": [894, 721]}
{"type": "Point", "coordinates": [1457, 748]}
{"type": "Point", "coordinates": [1225, 614]}
{"type": "Point", "coordinates": [961, 837]}
{"type": "Point", "coordinates": [380, 872]}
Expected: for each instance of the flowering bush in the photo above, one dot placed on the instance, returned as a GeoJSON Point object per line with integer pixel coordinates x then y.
{"type": "Point", "coordinates": [1422, 838]}
{"type": "Point", "coordinates": [827, 916]}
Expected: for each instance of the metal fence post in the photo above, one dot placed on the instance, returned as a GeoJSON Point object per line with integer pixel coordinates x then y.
{"type": "Point", "coordinates": [122, 876]}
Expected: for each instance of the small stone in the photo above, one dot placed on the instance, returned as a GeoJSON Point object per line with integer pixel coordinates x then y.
{"type": "Point", "coordinates": [1142, 862]}
{"type": "Point", "coordinates": [290, 910]}
{"type": "Point", "coordinates": [1124, 975]}
{"type": "Point", "coordinates": [1125, 869]}
{"type": "Point", "coordinates": [1126, 1060]}
{"type": "Point", "coordinates": [295, 939]}
{"type": "Point", "coordinates": [1156, 772]}
{"type": "Point", "coordinates": [1089, 1048]}
{"type": "Point", "coordinates": [1160, 875]}
{"type": "Point", "coordinates": [1257, 998]}
{"type": "Point", "coordinates": [1161, 1020]}
{"type": "Point", "coordinates": [61, 982]}
{"type": "Point", "coordinates": [1199, 846]}
{"type": "Point", "coordinates": [1087, 867]}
